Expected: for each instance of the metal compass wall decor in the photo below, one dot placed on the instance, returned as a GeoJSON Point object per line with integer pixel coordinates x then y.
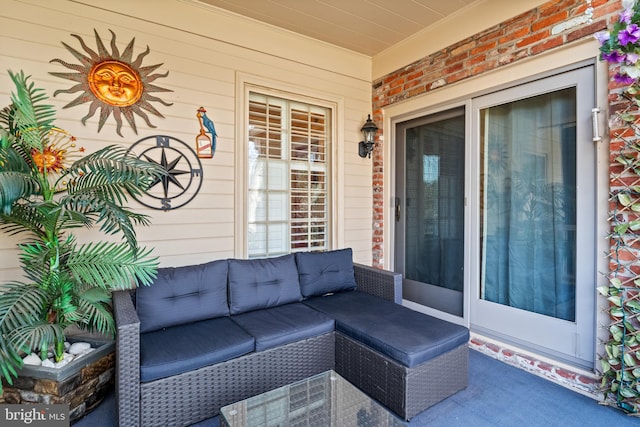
{"type": "Point", "coordinates": [183, 177]}
{"type": "Point", "coordinates": [113, 82]}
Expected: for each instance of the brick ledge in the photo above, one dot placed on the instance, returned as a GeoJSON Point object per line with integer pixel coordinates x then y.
{"type": "Point", "coordinates": [575, 379]}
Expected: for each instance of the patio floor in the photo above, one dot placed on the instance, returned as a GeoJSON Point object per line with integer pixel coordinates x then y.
{"type": "Point", "coordinates": [498, 395]}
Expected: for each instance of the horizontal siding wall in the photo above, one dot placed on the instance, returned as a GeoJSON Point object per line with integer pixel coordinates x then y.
{"type": "Point", "coordinates": [203, 49]}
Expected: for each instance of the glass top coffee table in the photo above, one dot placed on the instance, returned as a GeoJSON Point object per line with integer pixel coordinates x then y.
{"type": "Point", "coordinates": [325, 399]}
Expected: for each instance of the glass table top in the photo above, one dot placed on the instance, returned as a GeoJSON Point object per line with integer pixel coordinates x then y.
{"type": "Point", "coordinates": [323, 400]}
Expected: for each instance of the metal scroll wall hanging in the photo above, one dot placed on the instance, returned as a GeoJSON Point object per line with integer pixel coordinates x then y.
{"type": "Point", "coordinates": [113, 82]}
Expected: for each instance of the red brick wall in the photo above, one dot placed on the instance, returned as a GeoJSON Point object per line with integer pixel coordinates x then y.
{"type": "Point", "coordinates": [553, 24]}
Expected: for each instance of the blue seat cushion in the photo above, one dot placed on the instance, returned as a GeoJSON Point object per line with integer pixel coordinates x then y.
{"type": "Point", "coordinates": [182, 295]}
{"type": "Point", "coordinates": [262, 283]}
{"type": "Point", "coordinates": [324, 272]}
{"type": "Point", "coordinates": [404, 335]}
{"type": "Point", "coordinates": [183, 348]}
{"type": "Point", "coordinates": [284, 324]}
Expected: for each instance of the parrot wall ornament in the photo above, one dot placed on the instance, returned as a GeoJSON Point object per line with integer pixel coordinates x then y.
{"type": "Point", "coordinates": [205, 144]}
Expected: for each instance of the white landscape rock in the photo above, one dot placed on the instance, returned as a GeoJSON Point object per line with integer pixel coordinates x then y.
{"type": "Point", "coordinates": [72, 351]}
{"type": "Point", "coordinates": [66, 359]}
{"type": "Point", "coordinates": [32, 360]}
{"type": "Point", "coordinates": [48, 364]}
{"type": "Point", "coordinates": [79, 348]}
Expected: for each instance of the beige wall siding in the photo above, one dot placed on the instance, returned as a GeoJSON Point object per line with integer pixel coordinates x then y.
{"type": "Point", "coordinates": [203, 50]}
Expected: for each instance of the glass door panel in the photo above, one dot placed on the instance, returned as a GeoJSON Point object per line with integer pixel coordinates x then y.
{"type": "Point", "coordinates": [535, 229]}
{"type": "Point", "coordinates": [430, 211]}
{"type": "Point", "coordinates": [528, 188]}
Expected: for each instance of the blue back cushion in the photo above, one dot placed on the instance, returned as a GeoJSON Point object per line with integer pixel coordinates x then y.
{"type": "Point", "coordinates": [262, 283]}
{"type": "Point", "coordinates": [324, 272]}
{"type": "Point", "coordinates": [182, 295]}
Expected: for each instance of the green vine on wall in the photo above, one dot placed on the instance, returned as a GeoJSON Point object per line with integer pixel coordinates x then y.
{"type": "Point", "coordinates": [621, 362]}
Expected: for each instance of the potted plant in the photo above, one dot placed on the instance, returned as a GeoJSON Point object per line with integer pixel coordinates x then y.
{"type": "Point", "coordinates": [43, 200]}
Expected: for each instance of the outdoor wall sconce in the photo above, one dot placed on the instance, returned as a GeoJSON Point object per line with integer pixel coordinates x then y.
{"type": "Point", "coordinates": [369, 131]}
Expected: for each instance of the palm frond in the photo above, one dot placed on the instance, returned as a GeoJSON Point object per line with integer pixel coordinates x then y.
{"type": "Point", "coordinates": [58, 216]}
{"type": "Point", "coordinates": [16, 181]}
{"type": "Point", "coordinates": [116, 188]}
{"type": "Point", "coordinates": [101, 183]}
{"type": "Point", "coordinates": [21, 304]}
{"type": "Point", "coordinates": [113, 219]}
{"type": "Point", "coordinates": [13, 187]}
{"type": "Point", "coordinates": [33, 337]}
{"type": "Point", "coordinates": [5, 138]}
{"type": "Point", "coordinates": [34, 257]}
{"type": "Point", "coordinates": [13, 159]}
{"type": "Point", "coordinates": [69, 218]}
{"type": "Point", "coordinates": [97, 314]}
{"type": "Point", "coordinates": [117, 164]}
{"type": "Point", "coordinates": [98, 198]}
{"type": "Point", "coordinates": [65, 303]}
{"type": "Point", "coordinates": [23, 218]}
{"type": "Point", "coordinates": [112, 265]}
{"type": "Point", "coordinates": [99, 319]}
{"type": "Point", "coordinates": [6, 120]}
{"type": "Point", "coordinates": [112, 174]}
{"type": "Point", "coordinates": [33, 118]}
{"type": "Point", "coordinates": [10, 360]}
{"type": "Point", "coordinates": [21, 321]}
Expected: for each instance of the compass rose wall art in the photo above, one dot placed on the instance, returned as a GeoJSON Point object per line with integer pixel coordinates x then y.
{"type": "Point", "coordinates": [113, 82]}
{"type": "Point", "coordinates": [183, 172]}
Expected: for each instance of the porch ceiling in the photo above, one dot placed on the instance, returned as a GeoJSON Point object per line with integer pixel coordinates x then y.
{"type": "Point", "coordinates": [364, 26]}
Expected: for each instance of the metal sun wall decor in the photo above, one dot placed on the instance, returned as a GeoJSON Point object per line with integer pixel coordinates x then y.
{"type": "Point", "coordinates": [205, 144]}
{"type": "Point", "coordinates": [59, 152]}
{"type": "Point", "coordinates": [113, 82]}
{"type": "Point", "coordinates": [183, 177]}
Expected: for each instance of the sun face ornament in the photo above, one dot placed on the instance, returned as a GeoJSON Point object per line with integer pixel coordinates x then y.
{"type": "Point", "coordinates": [58, 153]}
{"type": "Point", "coordinates": [113, 82]}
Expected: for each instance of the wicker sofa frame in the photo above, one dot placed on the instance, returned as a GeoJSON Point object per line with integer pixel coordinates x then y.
{"type": "Point", "coordinates": [193, 396]}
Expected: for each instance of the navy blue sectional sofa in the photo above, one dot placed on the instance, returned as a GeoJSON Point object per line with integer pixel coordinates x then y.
{"type": "Point", "coordinates": [204, 336]}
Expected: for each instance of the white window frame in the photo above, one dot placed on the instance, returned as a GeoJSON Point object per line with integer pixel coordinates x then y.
{"type": "Point", "coordinates": [245, 84]}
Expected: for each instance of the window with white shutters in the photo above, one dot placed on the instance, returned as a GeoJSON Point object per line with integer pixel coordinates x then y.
{"type": "Point", "coordinates": [288, 176]}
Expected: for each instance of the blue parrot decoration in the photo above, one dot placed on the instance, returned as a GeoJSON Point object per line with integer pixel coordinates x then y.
{"type": "Point", "coordinates": [211, 128]}
{"type": "Point", "coordinates": [205, 144]}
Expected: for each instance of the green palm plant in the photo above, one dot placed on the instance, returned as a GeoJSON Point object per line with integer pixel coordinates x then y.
{"type": "Point", "coordinates": [68, 282]}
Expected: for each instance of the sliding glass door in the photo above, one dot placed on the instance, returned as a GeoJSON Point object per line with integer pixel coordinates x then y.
{"type": "Point", "coordinates": [430, 210]}
{"type": "Point", "coordinates": [536, 216]}
{"type": "Point", "coordinates": [495, 214]}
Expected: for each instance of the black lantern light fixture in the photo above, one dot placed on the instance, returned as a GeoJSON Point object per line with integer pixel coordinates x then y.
{"type": "Point", "coordinates": [369, 131]}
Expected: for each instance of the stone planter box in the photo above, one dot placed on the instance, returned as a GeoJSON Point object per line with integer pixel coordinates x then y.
{"type": "Point", "coordinates": [81, 384]}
